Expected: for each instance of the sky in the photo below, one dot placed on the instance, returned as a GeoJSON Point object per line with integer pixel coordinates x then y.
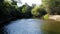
{"type": "Point", "coordinates": [29, 2]}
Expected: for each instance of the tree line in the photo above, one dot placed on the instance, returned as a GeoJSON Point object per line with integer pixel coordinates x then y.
{"type": "Point", "coordinates": [9, 9]}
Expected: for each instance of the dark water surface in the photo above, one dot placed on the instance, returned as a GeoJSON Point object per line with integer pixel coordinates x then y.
{"type": "Point", "coordinates": [31, 26]}
{"type": "Point", "coordinates": [24, 26]}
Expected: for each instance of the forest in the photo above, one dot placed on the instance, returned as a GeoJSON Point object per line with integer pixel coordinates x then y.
{"type": "Point", "coordinates": [9, 10]}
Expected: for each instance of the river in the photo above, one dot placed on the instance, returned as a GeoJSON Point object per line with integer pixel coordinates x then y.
{"type": "Point", "coordinates": [24, 26]}
{"type": "Point", "coordinates": [32, 26]}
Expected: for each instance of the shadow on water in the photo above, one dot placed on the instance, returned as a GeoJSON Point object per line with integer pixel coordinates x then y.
{"type": "Point", "coordinates": [30, 26]}
{"type": "Point", "coordinates": [3, 23]}
{"type": "Point", "coordinates": [51, 27]}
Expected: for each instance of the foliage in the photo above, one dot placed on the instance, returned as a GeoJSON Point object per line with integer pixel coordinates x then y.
{"type": "Point", "coordinates": [34, 11]}
{"type": "Point", "coordinates": [38, 11]}
{"type": "Point", "coordinates": [46, 16]}
{"type": "Point", "coordinates": [26, 10]}
{"type": "Point", "coordinates": [52, 6]}
{"type": "Point", "coordinates": [6, 10]}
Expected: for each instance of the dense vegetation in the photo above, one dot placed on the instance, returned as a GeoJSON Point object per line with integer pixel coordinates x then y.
{"type": "Point", "coordinates": [10, 10]}
{"type": "Point", "coordinates": [52, 6]}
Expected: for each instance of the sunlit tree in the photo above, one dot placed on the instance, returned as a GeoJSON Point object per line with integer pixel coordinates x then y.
{"type": "Point", "coordinates": [38, 11]}
{"type": "Point", "coordinates": [52, 6]}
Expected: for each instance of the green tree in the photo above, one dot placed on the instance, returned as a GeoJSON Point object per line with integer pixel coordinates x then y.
{"type": "Point", "coordinates": [38, 11]}
{"type": "Point", "coordinates": [34, 11]}
{"type": "Point", "coordinates": [26, 10]}
{"type": "Point", "coordinates": [52, 6]}
{"type": "Point", "coordinates": [48, 5]}
{"type": "Point", "coordinates": [6, 10]}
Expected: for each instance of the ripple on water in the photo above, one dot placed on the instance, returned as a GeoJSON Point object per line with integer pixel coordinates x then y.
{"type": "Point", "coordinates": [24, 26]}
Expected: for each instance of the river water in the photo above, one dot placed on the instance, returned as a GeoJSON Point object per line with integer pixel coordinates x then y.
{"type": "Point", "coordinates": [32, 26]}
{"type": "Point", "coordinates": [24, 26]}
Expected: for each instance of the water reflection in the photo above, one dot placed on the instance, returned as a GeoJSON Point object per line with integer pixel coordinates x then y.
{"type": "Point", "coordinates": [24, 26]}
{"type": "Point", "coordinates": [51, 27]}
{"type": "Point", "coordinates": [31, 26]}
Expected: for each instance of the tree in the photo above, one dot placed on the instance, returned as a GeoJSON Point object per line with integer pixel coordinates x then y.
{"type": "Point", "coordinates": [26, 10]}
{"type": "Point", "coordinates": [52, 6]}
{"type": "Point", "coordinates": [6, 10]}
{"type": "Point", "coordinates": [38, 11]}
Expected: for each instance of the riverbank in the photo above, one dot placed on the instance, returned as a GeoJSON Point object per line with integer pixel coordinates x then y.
{"type": "Point", "coordinates": [54, 17]}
